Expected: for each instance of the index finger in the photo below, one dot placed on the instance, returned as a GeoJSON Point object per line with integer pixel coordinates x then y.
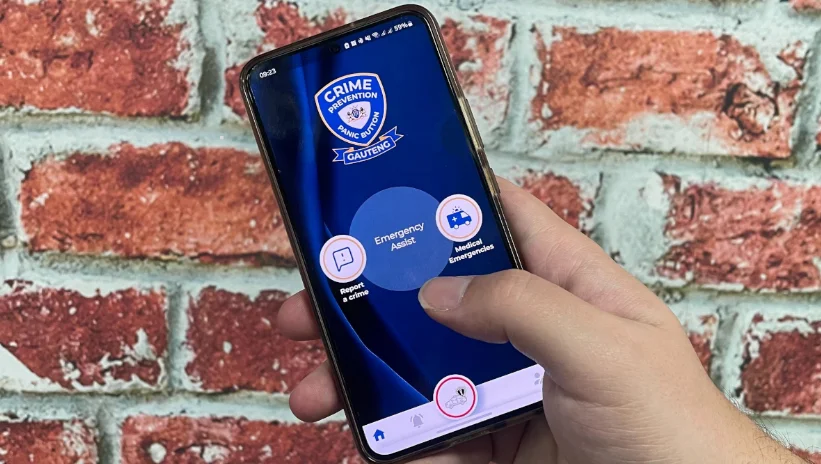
{"type": "Point", "coordinates": [296, 318]}
{"type": "Point", "coordinates": [557, 252]}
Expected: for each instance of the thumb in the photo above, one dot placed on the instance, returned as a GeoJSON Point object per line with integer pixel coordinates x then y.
{"type": "Point", "coordinates": [562, 333]}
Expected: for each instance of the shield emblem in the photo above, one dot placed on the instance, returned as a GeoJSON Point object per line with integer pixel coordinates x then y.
{"type": "Point", "coordinates": [356, 114]}
{"type": "Point", "coordinates": [353, 107]}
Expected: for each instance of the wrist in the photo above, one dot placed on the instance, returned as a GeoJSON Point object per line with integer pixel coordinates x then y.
{"type": "Point", "coordinates": [722, 433]}
{"type": "Point", "coordinates": [758, 446]}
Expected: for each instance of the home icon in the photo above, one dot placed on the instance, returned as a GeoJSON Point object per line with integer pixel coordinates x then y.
{"type": "Point", "coordinates": [379, 435]}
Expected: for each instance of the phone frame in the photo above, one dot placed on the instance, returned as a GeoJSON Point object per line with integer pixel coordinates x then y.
{"type": "Point", "coordinates": [490, 185]}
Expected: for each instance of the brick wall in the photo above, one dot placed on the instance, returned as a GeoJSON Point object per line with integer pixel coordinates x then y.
{"type": "Point", "coordinates": [143, 258]}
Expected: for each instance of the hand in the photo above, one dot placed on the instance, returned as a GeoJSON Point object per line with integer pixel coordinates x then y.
{"type": "Point", "coordinates": [622, 383]}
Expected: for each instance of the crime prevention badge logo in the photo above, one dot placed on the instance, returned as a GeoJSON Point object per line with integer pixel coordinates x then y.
{"type": "Point", "coordinates": [354, 108]}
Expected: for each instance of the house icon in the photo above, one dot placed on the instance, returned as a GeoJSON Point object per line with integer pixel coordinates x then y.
{"type": "Point", "coordinates": [378, 435]}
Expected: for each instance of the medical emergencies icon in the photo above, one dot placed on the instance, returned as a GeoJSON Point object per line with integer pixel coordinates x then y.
{"type": "Point", "coordinates": [342, 258]}
{"type": "Point", "coordinates": [459, 218]}
{"type": "Point", "coordinates": [455, 396]}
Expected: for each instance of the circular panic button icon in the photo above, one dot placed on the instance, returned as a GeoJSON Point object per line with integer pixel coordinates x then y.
{"type": "Point", "coordinates": [342, 258]}
{"type": "Point", "coordinates": [455, 396]}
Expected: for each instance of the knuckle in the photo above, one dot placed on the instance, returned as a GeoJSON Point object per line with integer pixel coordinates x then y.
{"type": "Point", "coordinates": [510, 286]}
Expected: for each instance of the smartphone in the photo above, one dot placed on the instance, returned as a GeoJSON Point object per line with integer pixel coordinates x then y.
{"type": "Point", "coordinates": [383, 184]}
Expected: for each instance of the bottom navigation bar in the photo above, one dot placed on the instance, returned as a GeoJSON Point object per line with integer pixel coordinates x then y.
{"type": "Point", "coordinates": [457, 404]}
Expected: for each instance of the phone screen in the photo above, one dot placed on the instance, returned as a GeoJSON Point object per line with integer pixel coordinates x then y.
{"type": "Point", "coordinates": [384, 192]}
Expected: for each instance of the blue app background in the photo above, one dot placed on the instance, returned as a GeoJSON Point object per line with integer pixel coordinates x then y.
{"type": "Point", "coordinates": [390, 352]}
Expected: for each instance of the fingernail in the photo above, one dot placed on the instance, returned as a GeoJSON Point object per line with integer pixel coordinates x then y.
{"type": "Point", "coordinates": [443, 293]}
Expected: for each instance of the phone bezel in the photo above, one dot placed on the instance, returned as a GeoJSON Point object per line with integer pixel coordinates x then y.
{"type": "Point", "coordinates": [490, 186]}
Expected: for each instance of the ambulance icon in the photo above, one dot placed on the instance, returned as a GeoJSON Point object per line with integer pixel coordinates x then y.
{"type": "Point", "coordinates": [459, 218]}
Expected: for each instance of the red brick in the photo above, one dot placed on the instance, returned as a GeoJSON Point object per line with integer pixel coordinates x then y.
{"type": "Point", "coordinates": [163, 201]}
{"type": "Point", "coordinates": [115, 57]}
{"type": "Point", "coordinates": [281, 23]}
{"type": "Point", "coordinates": [237, 346]}
{"type": "Point", "coordinates": [479, 48]}
{"type": "Point", "coordinates": [760, 238]}
{"type": "Point", "coordinates": [52, 442]}
{"type": "Point", "coordinates": [625, 90]}
{"type": "Point", "coordinates": [806, 5]}
{"type": "Point", "coordinates": [781, 370]}
{"type": "Point", "coordinates": [814, 457]}
{"type": "Point", "coordinates": [80, 340]}
{"type": "Point", "coordinates": [172, 440]}
{"type": "Point", "coordinates": [562, 195]}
